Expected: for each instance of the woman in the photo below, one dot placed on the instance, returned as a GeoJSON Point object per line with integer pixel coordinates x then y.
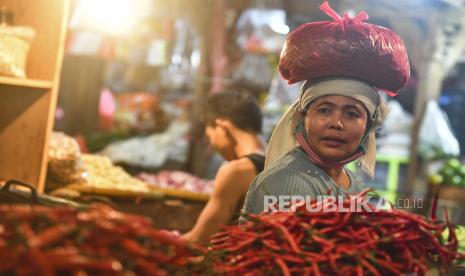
{"type": "Point", "coordinates": [333, 123]}
{"type": "Point", "coordinates": [345, 63]}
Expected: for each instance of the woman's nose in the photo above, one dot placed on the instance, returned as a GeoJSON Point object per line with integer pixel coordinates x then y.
{"type": "Point", "coordinates": [336, 123]}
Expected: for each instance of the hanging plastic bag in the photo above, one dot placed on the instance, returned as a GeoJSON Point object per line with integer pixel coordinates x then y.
{"type": "Point", "coordinates": [185, 58]}
{"type": "Point", "coordinates": [436, 138]}
{"type": "Point", "coordinates": [262, 30]}
{"type": "Point", "coordinates": [345, 47]}
{"type": "Point", "coordinates": [278, 100]}
{"type": "Point", "coordinates": [253, 72]}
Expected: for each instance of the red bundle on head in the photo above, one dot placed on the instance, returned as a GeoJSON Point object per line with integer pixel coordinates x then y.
{"type": "Point", "coordinates": [346, 47]}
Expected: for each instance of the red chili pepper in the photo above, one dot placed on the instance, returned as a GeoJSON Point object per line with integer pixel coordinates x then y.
{"type": "Point", "coordinates": [340, 223]}
{"type": "Point", "coordinates": [38, 261]}
{"type": "Point", "coordinates": [283, 266]}
{"type": "Point", "coordinates": [327, 245]}
{"type": "Point", "coordinates": [316, 269]}
{"type": "Point", "coordinates": [52, 235]}
{"type": "Point", "coordinates": [290, 258]}
{"type": "Point", "coordinates": [160, 257]}
{"type": "Point", "coordinates": [219, 240]}
{"type": "Point", "coordinates": [167, 238]}
{"type": "Point", "coordinates": [73, 262]}
{"type": "Point", "coordinates": [370, 267]}
{"type": "Point", "coordinates": [391, 266]}
{"type": "Point", "coordinates": [271, 244]}
{"type": "Point", "coordinates": [332, 259]}
{"type": "Point", "coordinates": [241, 265]}
{"type": "Point", "coordinates": [241, 244]}
{"type": "Point", "coordinates": [134, 248]}
{"type": "Point", "coordinates": [144, 267]}
{"type": "Point", "coordinates": [417, 219]}
{"type": "Point", "coordinates": [288, 236]}
{"type": "Point", "coordinates": [221, 246]}
{"type": "Point", "coordinates": [219, 235]}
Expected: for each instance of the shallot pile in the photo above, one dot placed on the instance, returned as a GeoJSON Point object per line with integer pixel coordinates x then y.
{"type": "Point", "coordinates": [178, 180]}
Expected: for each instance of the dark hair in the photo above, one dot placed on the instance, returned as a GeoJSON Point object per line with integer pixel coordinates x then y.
{"type": "Point", "coordinates": [241, 108]}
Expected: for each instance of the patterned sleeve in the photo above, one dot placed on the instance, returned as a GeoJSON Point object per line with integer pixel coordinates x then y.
{"type": "Point", "coordinates": [274, 184]}
{"type": "Point", "coordinates": [252, 203]}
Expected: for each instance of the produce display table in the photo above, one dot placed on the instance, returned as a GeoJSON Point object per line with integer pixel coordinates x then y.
{"type": "Point", "coordinates": [168, 212]}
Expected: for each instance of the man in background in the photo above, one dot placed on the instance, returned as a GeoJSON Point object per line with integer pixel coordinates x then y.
{"type": "Point", "coordinates": [233, 125]}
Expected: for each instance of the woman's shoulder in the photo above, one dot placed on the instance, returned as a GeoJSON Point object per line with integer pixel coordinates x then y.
{"type": "Point", "coordinates": [287, 177]}
{"type": "Point", "coordinates": [292, 169]}
{"type": "Point", "coordinates": [286, 163]}
{"type": "Point", "coordinates": [294, 159]}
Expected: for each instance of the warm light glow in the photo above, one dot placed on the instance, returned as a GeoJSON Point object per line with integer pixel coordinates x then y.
{"type": "Point", "coordinates": [113, 17]}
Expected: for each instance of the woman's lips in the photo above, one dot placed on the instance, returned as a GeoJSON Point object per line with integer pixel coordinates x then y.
{"type": "Point", "coordinates": [332, 142]}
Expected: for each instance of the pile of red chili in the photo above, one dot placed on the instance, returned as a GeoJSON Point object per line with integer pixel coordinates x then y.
{"type": "Point", "coordinates": [368, 242]}
{"type": "Point", "coordinates": [37, 240]}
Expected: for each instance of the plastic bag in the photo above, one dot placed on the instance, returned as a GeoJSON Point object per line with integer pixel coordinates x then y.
{"type": "Point", "coordinates": [65, 163]}
{"type": "Point", "coordinates": [253, 72]}
{"type": "Point", "coordinates": [262, 30]}
{"type": "Point", "coordinates": [394, 139]}
{"type": "Point", "coordinates": [185, 58]}
{"type": "Point", "coordinates": [345, 47]}
{"type": "Point", "coordinates": [14, 49]}
{"type": "Point", "coordinates": [280, 97]}
{"type": "Point", "coordinates": [152, 151]}
{"type": "Point", "coordinates": [435, 137]}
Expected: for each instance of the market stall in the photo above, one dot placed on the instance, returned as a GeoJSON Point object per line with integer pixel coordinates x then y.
{"type": "Point", "coordinates": [94, 178]}
{"type": "Point", "coordinates": [104, 164]}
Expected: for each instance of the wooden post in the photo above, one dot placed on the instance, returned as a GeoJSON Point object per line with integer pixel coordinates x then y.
{"type": "Point", "coordinates": [430, 76]}
{"type": "Point", "coordinates": [201, 17]}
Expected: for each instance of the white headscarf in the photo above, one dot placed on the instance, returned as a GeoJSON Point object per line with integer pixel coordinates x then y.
{"type": "Point", "coordinates": [283, 140]}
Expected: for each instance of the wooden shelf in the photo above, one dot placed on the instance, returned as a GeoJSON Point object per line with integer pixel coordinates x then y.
{"type": "Point", "coordinates": [41, 84]}
{"type": "Point", "coordinates": [27, 106]}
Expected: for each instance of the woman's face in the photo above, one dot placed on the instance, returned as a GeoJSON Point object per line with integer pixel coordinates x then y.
{"type": "Point", "coordinates": [335, 126]}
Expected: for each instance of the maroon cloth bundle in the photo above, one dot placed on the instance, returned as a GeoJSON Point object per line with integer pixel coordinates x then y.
{"type": "Point", "coordinates": [346, 47]}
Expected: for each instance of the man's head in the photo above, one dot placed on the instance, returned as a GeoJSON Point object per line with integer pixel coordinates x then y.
{"type": "Point", "coordinates": [227, 113]}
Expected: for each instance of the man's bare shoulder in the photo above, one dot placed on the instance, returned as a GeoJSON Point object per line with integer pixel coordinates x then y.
{"type": "Point", "coordinates": [240, 165]}
{"type": "Point", "coordinates": [237, 173]}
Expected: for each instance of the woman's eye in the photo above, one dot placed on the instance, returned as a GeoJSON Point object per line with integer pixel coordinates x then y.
{"type": "Point", "coordinates": [323, 110]}
{"type": "Point", "coordinates": [353, 114]}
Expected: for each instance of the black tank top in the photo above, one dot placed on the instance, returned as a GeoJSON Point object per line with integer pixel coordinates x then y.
{"type": "Point", "coordinates": [257, 160]}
